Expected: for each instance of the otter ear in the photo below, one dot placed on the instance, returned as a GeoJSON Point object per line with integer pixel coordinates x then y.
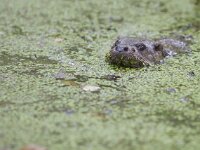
{"type": "Point", "coordinates": [158, 47]}
{"type": "Point", "coordinates": [115, 44]}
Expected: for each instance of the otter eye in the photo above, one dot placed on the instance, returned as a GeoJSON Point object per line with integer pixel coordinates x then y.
{"type": "Point", "coordinates": [125, 48]}
{"type": "Point", "coordinates": [158, 47]}
{"type": "Point", "coordinates": [140, 46]}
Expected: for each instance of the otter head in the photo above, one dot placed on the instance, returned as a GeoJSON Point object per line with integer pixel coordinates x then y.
{"type": "Point", "coordinates": [130, 52]}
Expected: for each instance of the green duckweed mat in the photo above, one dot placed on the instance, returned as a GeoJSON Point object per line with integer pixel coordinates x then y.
{"type": "Point", "coordinates": [51, 50]}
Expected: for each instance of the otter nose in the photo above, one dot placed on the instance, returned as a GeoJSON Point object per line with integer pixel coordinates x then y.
{"type": "Point", "coordinates": [121, 49]}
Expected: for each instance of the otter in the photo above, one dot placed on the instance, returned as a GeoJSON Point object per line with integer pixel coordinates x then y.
{"type": "Point", "coordinates": [136, 52]}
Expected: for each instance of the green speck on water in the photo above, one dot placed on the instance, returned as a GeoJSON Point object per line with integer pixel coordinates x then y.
{"type": "Point", "coordinates": [41, 95]}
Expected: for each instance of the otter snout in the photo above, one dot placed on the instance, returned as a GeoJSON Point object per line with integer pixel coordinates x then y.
{"type": "Point", "coordinates": [121, 48]}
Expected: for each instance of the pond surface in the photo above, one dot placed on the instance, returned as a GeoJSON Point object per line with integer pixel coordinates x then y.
{"type": "Point", "coordinates": [57, 90]}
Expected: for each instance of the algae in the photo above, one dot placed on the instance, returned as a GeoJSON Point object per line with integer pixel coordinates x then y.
{"type": "Point", "coordinates": [41, 99]}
